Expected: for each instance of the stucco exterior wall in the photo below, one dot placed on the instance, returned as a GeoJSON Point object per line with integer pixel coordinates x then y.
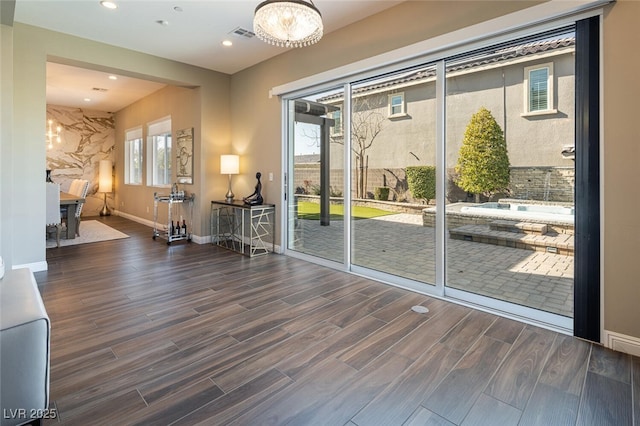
{"type": "Point", "coordinates": [532, 140]}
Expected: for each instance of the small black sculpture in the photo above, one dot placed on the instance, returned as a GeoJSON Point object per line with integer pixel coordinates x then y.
{"type": "Point", "coordinates": [255, 199]}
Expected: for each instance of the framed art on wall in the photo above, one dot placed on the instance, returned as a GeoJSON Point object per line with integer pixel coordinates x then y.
{"type": "Point", "coordinates": [184, 156]}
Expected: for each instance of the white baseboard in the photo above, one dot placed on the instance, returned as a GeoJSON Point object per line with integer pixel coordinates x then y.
{"type": "Point", "coordinates": [149, 223]}
{"type": "Point", "coordinates": [195, 238]}
{"type": "Point", "coordinates": [198, 239]}
{"type": "Point", "coordinates": [622, 343]}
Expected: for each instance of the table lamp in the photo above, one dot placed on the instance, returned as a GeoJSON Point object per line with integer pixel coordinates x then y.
{"type": "Point", "coordinates": [105, 183]}
{"type": "Point", "coordinates": [229, 165]}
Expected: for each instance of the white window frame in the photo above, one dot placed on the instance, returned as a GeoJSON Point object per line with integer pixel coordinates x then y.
{"type": "Point", "coordinates": [403, 109]}
{"type": "Point", "coordinates": [550, 90]}
{"type": "Point", "coordinates": [133, 137]}
{"type": "Point", "coordinates": [159, 131]}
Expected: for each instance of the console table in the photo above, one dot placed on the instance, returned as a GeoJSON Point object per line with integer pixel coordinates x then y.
{"type": "Point", "coordinates": [243, 228]}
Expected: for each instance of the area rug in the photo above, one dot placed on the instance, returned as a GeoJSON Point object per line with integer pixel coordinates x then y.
{"type": "Point", "coordinates": [91, 231]}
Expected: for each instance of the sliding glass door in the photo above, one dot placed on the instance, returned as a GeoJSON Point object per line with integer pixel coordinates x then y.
{"type": "Point", "coordinates": [510, 131]}
{"type": "Point", "coordinates": [315, 178]}
{"type": "Point", "coordinates": [393, 170]}
{"type": "Point", "coordinates": [455, 178]}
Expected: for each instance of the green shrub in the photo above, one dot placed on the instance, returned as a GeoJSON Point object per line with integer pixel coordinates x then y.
{"type": "Point", "coordinates": [422, 182]}
{"type": "Point", "coordinates": [381, 193]}
{"type": "Point", "coordinates": [483, 163]}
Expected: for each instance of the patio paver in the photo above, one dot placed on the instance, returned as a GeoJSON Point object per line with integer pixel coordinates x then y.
{"type": "Point", "coordinates": [400, 245]}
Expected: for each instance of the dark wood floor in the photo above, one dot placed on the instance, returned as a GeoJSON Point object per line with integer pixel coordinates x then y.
{"type": "Point", "coordinates": [145, 333]}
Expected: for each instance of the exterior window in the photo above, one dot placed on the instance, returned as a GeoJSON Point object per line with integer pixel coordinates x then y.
{"type": "Point", "coordinates": [396, 104]}
{"type": "Point", "coordinates": [133, 157]}
{"type": "Point", "coordinates": [539, 88]}
{"type": "Point", "coordinates": [336, 130]}
{"type": "Point", "coordinates": [159, 153]}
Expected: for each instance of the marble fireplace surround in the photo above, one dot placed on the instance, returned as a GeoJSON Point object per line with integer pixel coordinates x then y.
{"type": "Point", "coordinates": [87, 137]}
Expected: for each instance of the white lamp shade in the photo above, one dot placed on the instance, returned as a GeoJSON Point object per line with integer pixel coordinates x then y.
{"type": "Point", "coordinates": [229, 164]}
{"type": "Point", "coordinates": [105, 179]}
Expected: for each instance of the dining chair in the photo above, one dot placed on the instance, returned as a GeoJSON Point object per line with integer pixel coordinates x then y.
{"type": "Point", "coordinates": [79, 188]}
{"type": "Point", "coordinates": [54, 221]}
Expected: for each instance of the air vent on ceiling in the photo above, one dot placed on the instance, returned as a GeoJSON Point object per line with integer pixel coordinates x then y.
{"type": "Point", "coordinates": [99, 89]}
{"type": "Point", "coordinates": [242, 32]}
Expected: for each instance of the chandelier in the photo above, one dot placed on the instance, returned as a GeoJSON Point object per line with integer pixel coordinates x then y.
{"type": "Point", "coordinates": [51, 136]}
{"type": "Point", "coordinates": [288, 23]}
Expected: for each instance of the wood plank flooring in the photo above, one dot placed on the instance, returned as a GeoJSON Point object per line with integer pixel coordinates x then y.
{"type": "Point", "coordinates": [149, 334]}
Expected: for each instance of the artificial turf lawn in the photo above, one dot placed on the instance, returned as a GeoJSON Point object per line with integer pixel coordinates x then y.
{"type": "Point", "coordinates": [311, 211]}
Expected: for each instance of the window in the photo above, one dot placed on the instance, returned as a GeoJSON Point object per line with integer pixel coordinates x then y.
{"type": "Point", "coordinates": [133, 157]}
{"type": "Point", "coordinates": [336, 130]}
{"type": "Point", "coordinates": [396, 105]}
{"type": "Point", "coordinates": [159, 152]}
{"type": "Point", "coordinates": [538, 86]}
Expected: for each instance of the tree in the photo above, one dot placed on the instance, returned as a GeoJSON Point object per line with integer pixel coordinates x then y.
{"type": "Point", "coordinates": [483, 162]}
{"type": "Point", "coordinates": [367, 121]}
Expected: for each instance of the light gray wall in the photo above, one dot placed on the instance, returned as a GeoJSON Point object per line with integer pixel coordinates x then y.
{"type": "Point", "coordinates": [7, 218]}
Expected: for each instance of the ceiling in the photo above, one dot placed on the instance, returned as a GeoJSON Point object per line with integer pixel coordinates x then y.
{"type": "Point", "coordinates": [191, 32]}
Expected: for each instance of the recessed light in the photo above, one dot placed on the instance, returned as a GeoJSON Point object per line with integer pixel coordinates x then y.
{"type": "Point", "coordinates": [87, 99]}
{"type": "Point", "coordinates": [162, 22]}
{"type": "Point", "coordinates": [113, 77]}
{"type": "Point", "coordinates": [109, 4]}
{"type": "Point", "coordinates": [177, 9]}
{"type": "Point", "coordinates": [227, 43]}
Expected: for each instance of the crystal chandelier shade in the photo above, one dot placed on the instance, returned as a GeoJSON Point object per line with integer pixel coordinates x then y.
{"type": "Point", "coordinates": [292, 23]}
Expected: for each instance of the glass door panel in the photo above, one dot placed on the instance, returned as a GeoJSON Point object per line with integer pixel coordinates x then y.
{"type": "Point", "coordinates": [316, 177]}
{"type": "Point", "coordinates": [510, 187]}
{"type": "Point", "coordinates": [393, 158]}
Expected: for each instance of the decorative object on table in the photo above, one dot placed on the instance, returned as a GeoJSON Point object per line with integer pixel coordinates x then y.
{"type": "Point", "coordinates": [177, 193]}
{"type": "Point", "coordinates": [255, 199]}
{"type": "Point", "coordinates": [184, 158]}
{"type": "Point", "coordinates": [49, 176]}
{"type": "Point", "coordinates": [229, 165]}
{"type": "Point", "coordinates": [288, 23]}
{"type": "Point", "coordinates": [51, 135]}
{"type": "Point", "coordinates": [105, 183]}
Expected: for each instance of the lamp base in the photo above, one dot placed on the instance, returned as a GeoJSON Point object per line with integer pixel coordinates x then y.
{"type": "Point", "coordinates": [229, 196]}
{"type": "Point", "coordinates": [105, 209]}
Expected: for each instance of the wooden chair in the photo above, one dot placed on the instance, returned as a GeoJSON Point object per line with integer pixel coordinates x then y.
{"type": "Point", "coordinates": [54, 221]}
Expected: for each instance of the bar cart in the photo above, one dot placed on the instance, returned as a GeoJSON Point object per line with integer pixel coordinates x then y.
{"type": "Point", "coordinates": [177, 202]}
